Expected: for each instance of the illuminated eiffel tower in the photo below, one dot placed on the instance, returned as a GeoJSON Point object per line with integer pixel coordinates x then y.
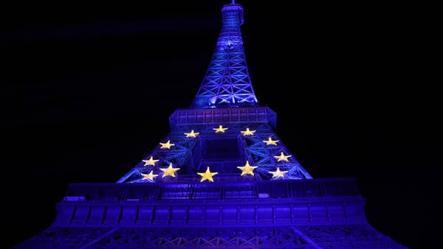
{"type": "Point", "coordinates": [222, 178]}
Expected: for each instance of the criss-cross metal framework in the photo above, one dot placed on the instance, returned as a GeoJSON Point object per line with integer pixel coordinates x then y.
{"type": "Point", "coordinates": [277, 206]}
{"type": "Point", "coordinates": [304, 237]}
{"type": "Point", "coordinates": [263, 155]}
{"type": "Point", "coordinates": [185, 153]}
{"type": "Point", "coordinates": [227, 81]}
{"type": "Point", "coordinates": [226, 97]}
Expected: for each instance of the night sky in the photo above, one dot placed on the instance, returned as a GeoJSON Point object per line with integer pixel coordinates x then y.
{"type": "Point", "coordinates": [88, 91]}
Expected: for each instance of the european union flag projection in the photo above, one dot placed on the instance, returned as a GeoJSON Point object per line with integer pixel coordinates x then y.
{"type": "Point", "coordinates": [225, 128]}
{"type": "Point", "coordinates": [221, 178]}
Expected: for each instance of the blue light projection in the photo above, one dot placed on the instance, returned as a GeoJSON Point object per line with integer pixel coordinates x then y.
{"type": "Point", "coordinates": [227, 81]}
{"type": "Point", "coordinates": [221, 179]}
{"type": "Point", "coordinates": [225, 90]}
{"type": "Point", "coordinates": [242, 134]}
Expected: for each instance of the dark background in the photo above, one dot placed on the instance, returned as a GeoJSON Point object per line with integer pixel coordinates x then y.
{"type": "Point", "coordinates": [87, 91]}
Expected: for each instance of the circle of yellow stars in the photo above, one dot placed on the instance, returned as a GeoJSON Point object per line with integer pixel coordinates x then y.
{"type": "Point", "coordinates": [208, 175]}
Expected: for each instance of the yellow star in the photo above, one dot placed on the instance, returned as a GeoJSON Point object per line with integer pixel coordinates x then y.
{"type": "Point", "coordinates": [248, 132]}
{"type": "Point", "coordinates": [278, 173]}
{"type": "Point", "coordinates": [169, 171]}
{"type": "Point", "coordinates": [150, 176]}
{"type": "Point", "coordinates": [270, 141]}
{"type": "Point", "coordinates": [220, 129]}
{"type": "Point", "coordinates": [166, 145]}
{"type": "Point", "coordinates": [151, 161]}
{"type": "Point", "coordinates": [207, 176]}
{"type": "Point", "coordinates": [247, 169]}
{"type": "Point", "coordinates": [282, 157]}
{"type": "Point", "coordinates": [192, 134]}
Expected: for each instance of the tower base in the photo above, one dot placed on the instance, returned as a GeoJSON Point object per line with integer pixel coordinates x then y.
{"type": "Point", "coordinates": [321, 213]}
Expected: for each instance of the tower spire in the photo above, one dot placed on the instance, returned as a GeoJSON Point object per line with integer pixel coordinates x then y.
{"type": "Point", "coordinates": [227, 81]}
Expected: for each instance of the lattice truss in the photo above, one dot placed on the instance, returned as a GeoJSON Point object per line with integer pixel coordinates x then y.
{"type": "Point", "coordinates": [304, 237]}
{"type": "Point", "coordinates": [256, 152]}
{"type": "Point", "coordinates": [66, 238]}
{"type": "Point", "coordinates": [227, 79]}
{"type": "Point", "coordinates": [179, 155]}
{"type": "Point", "coordinates": [348, 236]}
{"type": "Point", "coordinates": [281, 238]}
{"type": "Point", "coordinates": [263, 155]}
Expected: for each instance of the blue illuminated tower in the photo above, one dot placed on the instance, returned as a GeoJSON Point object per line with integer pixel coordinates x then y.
{"type": "Point", "coordinates": [227, 80]}
{"type": "Point", "coordinates": [221, 178]}
{"type": "Point", "coordinates": [226, 97]}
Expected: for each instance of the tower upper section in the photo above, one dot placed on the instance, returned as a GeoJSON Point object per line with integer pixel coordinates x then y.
{"type": "Point", "coordinates": [227, 82]}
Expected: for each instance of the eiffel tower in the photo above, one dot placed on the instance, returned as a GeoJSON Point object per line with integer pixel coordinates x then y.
{"type": "Point", "coordinates": [222, 178]}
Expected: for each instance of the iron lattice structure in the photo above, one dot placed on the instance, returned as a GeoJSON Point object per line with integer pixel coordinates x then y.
{"type": "Point", "coordinates": [192, 155]}
{"type": "Point", "coordinates": [290, 214]}
{"type": "Point", "coordinates": [223, 129]}
{"type": "Point", "coordinates": [227, 81]}
{"type": "Point", "coordinates": [226, 97]}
